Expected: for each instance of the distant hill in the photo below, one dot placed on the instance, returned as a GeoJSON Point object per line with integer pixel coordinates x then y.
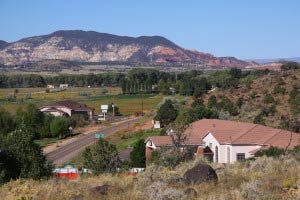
{"type": "Point", "coordinates": [274, 60]}
{"type": "Point", "coordinates": [91, 46]}
{"type": "Point", "coordinates": [3, 44]}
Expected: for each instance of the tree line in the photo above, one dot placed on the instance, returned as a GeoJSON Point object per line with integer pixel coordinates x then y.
{"type": "Point", "coordinates": [147, 81]}
{"type": "Point", "coordinates": [34, 80]}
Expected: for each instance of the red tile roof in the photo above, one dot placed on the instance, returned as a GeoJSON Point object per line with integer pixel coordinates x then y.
{"type": "Point", "coordinates": [72, 105]}
{"type": "Point", "coordinates": [160, 140]}
{"type": "Point", "coordinates": [237, 133]}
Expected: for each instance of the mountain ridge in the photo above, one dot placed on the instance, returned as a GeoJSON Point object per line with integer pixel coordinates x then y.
{"type": "Point", "coordinates": [92, 46]}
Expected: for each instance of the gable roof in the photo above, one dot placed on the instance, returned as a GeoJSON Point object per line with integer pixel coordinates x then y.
{"type": "Point", "coordinates": [240, 133]}
{"type": "Point", "coordinates": [235, 133]}
{"type": "Point", "coordinates": [160, 140]}
{"type": "Point", "coordinates": [222, 130]}
{"type": "Point", "coordinates": [71, 105]}
{"type": "Point", "coordinates": [167, 141]}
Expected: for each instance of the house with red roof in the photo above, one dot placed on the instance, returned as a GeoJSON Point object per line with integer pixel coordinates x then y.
{"type": "Point", "coordinates": [68, 108]}
{"type": "Point", "coordinates": [229, 141]}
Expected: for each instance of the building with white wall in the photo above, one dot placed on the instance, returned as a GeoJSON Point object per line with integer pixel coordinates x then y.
{"type": "Point", "coordinates": [68, 108]}
{"type": "Point", "coordinates": [230, 141]}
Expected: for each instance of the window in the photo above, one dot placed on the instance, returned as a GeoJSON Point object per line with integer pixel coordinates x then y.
{"type": "Point", "coordinates": [216, 154]}
{"type": "Point", "coordinates": [228, 154]}
{"type": "Point", "coordinates": [210, 145]}
{"type": "Point", "coordinates": [240, 156]}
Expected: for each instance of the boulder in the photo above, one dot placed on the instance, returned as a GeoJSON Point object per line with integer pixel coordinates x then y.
{"type": "Point", "coordinates": [191, 192]}
{"type": "Point", "coordinates": [199, 174]}
{"type": "Point", "coordinates": [105, 189]}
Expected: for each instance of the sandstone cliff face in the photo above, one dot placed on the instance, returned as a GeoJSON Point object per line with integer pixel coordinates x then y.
{"type": "Point", "coordinates": [90, 46]}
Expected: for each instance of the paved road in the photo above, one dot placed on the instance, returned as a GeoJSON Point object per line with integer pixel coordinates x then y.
{"type": "Point", "coordinates": [64, 153]}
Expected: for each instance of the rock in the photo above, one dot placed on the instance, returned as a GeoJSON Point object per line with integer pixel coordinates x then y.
{"type": "Point", "coordinates": [162, 191]}
{"type": "Point", "coordinates": [90, 46]}
{"type": "Point", "coordinates": [105, 189]}
{"type": "Point", "coordinates": [200, 173]}
{"type": "Point", "coordinates": [77, 197]}
{"type": "Point", "coordinates": [102, 189]}
{"type": "Point", "coordinates": [191, 192]}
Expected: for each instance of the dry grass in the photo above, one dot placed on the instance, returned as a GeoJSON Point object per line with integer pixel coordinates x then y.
{"type": "Point", "coordinates": [264, 178]}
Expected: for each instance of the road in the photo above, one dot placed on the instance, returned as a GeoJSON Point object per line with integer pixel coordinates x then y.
{"type": "Point", "coordinates": [64, 153]}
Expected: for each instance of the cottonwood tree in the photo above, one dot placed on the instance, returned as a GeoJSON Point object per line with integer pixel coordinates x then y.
{"type": "Point", "coordinates": [178, 134]}
{"type": "Point", "coordinates": [101, 157]}
{"type": "Point", "coordinates": [21, 157]}
{"type": "Point", "coordinates": [167, 113]}
{"type": "Point", "coordinates": [138, 154]}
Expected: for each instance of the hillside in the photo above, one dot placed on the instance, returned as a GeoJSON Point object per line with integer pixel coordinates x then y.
{"type": "Point", "coordinates": [263, 178]}
{"type": "Point", "coordinates": [91, 46]}
{"type": "Point", "coordinates": [253, 93]}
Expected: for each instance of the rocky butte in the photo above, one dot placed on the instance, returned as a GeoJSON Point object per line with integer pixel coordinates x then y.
{"type": "Point", "coordinates": [91, 46]}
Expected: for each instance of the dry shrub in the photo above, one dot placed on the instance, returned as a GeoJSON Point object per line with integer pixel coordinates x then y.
{"type": "Point", "coordinates": [263, 178]}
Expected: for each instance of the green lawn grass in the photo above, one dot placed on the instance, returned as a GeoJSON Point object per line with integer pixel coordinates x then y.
{"type": "Point", "coordinates": [122, 140]}
{"type": "Point", "coordinates": [46, 141]}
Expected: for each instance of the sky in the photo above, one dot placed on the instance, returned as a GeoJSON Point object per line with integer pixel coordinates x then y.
{"type": "Point", "coordinates": [245, 29]}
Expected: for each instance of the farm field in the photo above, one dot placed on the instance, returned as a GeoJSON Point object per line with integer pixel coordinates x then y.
{"type": "Point", "coordinates": [94, 97]}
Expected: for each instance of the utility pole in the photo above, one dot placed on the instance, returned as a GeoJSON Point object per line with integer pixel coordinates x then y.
{"type": "Point", "coordinates": [113, 107]}
{"type": "Point", "coordinates": [142, 103]}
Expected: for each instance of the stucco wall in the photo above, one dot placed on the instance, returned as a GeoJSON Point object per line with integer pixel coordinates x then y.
{"type": "Point", "coordinates": [223, 149]}
{"type": "Point", "coordinates": [214, 143]}
{"type": "Point", "coordinates": [242, 149]}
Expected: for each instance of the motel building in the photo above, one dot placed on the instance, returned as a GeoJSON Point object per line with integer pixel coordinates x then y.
{"type": "Point", "coordinates": [227, 141]}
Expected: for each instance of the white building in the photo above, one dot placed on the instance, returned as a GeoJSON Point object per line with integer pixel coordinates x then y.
{"type": "Point", "coordinates": [62, 86]}
{"type": "Point", "coordinates": [230, 141]}
{"type": "Point", "coordinates": [68, 108]}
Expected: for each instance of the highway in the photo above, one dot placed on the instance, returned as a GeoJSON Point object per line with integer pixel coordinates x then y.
{"type": "Point", "coordinates": [65, 153]}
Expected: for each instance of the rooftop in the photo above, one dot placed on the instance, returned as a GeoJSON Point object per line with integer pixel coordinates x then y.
{"type": "Point", "coordinates": [71, 104]}
{"type": "Point", "coordinates": [235, 133]}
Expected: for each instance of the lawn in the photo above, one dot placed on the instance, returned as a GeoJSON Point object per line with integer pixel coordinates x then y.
{"type": "Point", "coordinates": [46, 141]}
{"type": "Point", "coordinates": [125, 139]}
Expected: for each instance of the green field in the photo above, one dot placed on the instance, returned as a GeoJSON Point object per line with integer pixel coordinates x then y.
{"type": "Point", "coordinates": [128, 104]}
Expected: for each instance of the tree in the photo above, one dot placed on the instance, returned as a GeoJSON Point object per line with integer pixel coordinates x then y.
{"type": "Point", "coordinates": [227, 105]}
{"type": "Point", "coordinates": [59, 126]}
{"type": "Point", "coordinates": [279, 90]}
{"type": "Point", "coordinates": [178, 135]}
{"type": "Point", "coordinates": [239, 102]}
{"type": "Point", "coordinates": [166, 113]}
{"type": "Point", "coordinates": [45, 129]}
{"type": "Point", "coordinates": [32, 118]}
{"type": "Point", "coordinates": [268, 99]}
{"type": "Point", "coordinates": [8, 166]}
{"type": "Point", "coordinates": [236, 73]}
{"type": "Point", "coordinates": [270, 152]}
{"type": "Point", "coordinates": [259, 119]}
{"type": "Point", "coordinates": [199, 112]}
{"type": "Point", "coordinates": [212, 101]}
{"type": "Point", "coordinates": [197, 102]}
{"type": "Point", "coordinates": [115, 109]}
{"type": "Point", "coordinates": [6, 122]}
{"type": "Point", "coordinates": [24, 156]}
{"type": "Point", "coordinates": [101, 157]}
{"type": "Point", "coordinates": [290, 65]}
{"type": "Point", "coordinates": [138, 154]}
